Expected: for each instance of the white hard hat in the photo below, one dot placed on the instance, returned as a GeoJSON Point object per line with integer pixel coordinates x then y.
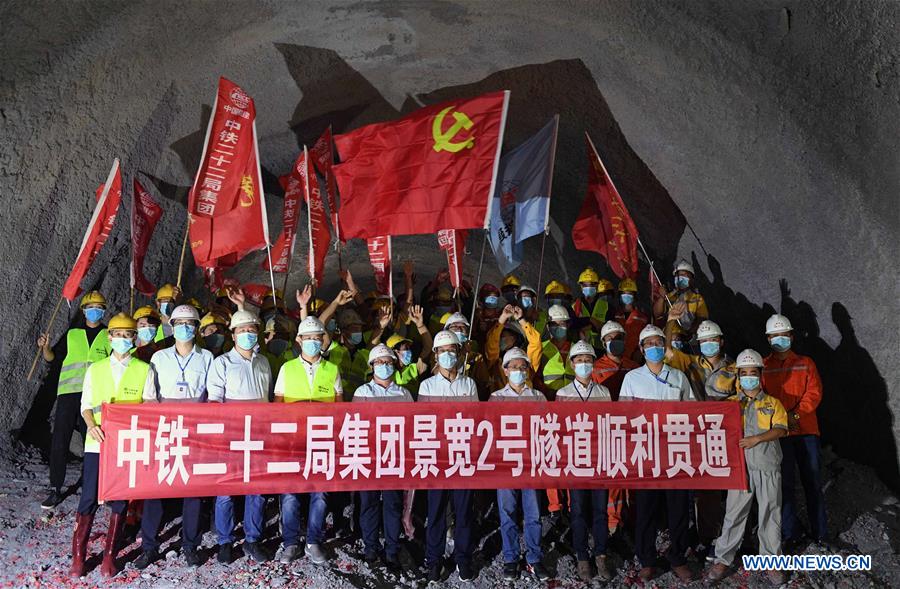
{"type": "Point", "coordinates": [525, 288]}
{"type": "Point", "coordinates": [381, 351]}
{"type": "Point", "coordinates": [778, 324]}
{"type": "Point", "coordinates": [683, 266]}
{"type": "Point", "coordinates": [243, 318]}
{"type": "Point", "coordinates": [184, 312]}
{"type": "Point", "coordinates": [514, 354]}
{"type": "Point", "coordinates": [748, 359]}
{"type": "Point", "coordinates": [558, 313]}
{"type": "Point", "coordinates": [650, 331]}
{"type": "Point", "coordinates": [611, 327]}
{"type": "Point", "coordinates": [311, 326]}
{"type": "Point", "coordinates": [708, 329]}
{"type": "Point", "coordinates": [454, 319]}
{"type": "Point", "coordinates": [582, 347]}
{"type": "Point", "coordinates": [444, 338]}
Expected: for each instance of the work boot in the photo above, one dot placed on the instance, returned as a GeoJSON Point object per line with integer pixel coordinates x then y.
{"type": "Point", "coordinates": [192, 557]}
{"type": "Point", "coordinates": [53, 499]}
{"type": "Point", "coordinates": [684, 573]}
{"type": "Point", "coordinates": [777, 578]}
{"type": "Point", "coordinates": [315, 554]}
{"type": "Point", "coordinates": [584, 571]}
{"type": "Point", "coordinates": [466, 571]}
{"type": "Point", "coordinates": [539, 571]}
{"type": "Point", "coordinates": [225, 555]}
{"type": "Point", "coordinates": [111, 549]}
{"type": "Point", "coordinates": [717, 572]}
{"type": "Point", "coordinates": [256, 552]}
{"type": "Point", "coordinates": [146, 558]}
{"type": "Point", "coordinates": [83, 523]}
{"type": "Point", "coordinates": [603, 568]}
{"type": "Point", "coordinates": [289, 554]}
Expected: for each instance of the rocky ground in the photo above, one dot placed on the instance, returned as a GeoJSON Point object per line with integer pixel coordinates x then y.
{"type": "Point", "coordinates": [35, 546]}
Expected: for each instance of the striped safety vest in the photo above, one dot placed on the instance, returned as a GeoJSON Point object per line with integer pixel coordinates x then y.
{"type": "Point", "coordinates": [79, 356]}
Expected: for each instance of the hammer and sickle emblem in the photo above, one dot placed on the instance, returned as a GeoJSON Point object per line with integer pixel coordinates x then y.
{"type": "Point", "coordinates": [443, 139]}
{"type": "Point", "coordinates": [246, 194]}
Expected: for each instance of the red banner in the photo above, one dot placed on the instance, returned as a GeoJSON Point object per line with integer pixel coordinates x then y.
{"type": "Point", "coordinates": [380, 256]}
{"type": "Point", "coordinates": [145, 213]}
{"type": "Point", "coordinates": [226, 203]}
{"type": "Point", "coordinates": [319, 236]}
{"type": "Point", "coordinates": [197, 450]}
{"type": "Point", "coordinates": [108, 196]}
{"type": "Point", "coordinates": [451, 241]}
{"type": "Point", "coordinates": [433, 169]}
{"type": "Point", "coordinates": [283, 250]}
{"type": "Point", "coordinates": [604, 225]}
{"type": "Point", "coordinates": [323, 157]}
{"type": "Point", "coordinates": [256, 293]}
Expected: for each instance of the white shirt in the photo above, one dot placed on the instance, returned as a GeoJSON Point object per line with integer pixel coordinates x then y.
{"type": "Point", "coordinates": [311, 369]}
{"type": "Point", "coordinates": [642, 385]}
{"type": "Point", "coordinates": [235, 378]}
{"type": "Point", "coordinates": [439, 388]}
{"type": "Point", "coordinates": [508, 394]}
{"type": "Point", "coordinates": [372, 391]}
{"type": "Point", "coordinates": [181, 378]}
{"type": "Point", "coordinates": [575, 391]}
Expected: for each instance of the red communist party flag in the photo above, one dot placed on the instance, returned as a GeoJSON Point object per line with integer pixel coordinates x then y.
{"type": "Point", "coordinates": [294, 189]}
{"type": "Point", "coordinates": [109, 195]}
{"type": "Point", "coordinates": [145, 213]}
{"type": "Point", "coordinates": [380, 256]}
{"type": "Point", "coordinates": [451, 241]}
{"type": "Point", "coordinates": [226, 204]}
{"type": "Point", "coordinates": [322, 154]}
{"type": "Point", "coordinates": [430, 170]}
{"type": "Point", "coordinates": [604, 225]}
{"type": "Point", "coordinates": [319, 237]}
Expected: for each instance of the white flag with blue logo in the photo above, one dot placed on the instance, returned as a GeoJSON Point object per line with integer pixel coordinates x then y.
{"type": "Point", "coordinates": [521, 205]}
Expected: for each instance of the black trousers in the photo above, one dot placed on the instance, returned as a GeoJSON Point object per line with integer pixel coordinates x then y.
{"type": "Point", "coordinates": [648, 505]}
{"type": "Point", "coordinates": [190, 522]}
{"type": "Point", "coordinates": [90, 475]}
{"type": "Point", "coordinates": [68, 417]}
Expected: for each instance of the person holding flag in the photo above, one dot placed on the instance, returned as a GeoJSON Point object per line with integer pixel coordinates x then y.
{"type": "Point", "coordinates": [685, 292]}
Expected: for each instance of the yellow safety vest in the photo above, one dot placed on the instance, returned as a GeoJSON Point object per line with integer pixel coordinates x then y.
{"type": "Point", "coordinates": [79, 356]}
{"type": "Point", "coordinates": [296, 383]}
{"type": "Point", "coordinates": [354, 371]}
{"type": "Point", "coordinates": [408, 377]}
{"type": "Point", "coordinates": [556, 372]}
{"type": "Point", "coordinates": [104, 390]}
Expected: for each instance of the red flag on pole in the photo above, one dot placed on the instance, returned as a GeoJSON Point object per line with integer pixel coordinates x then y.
{"type": "Point", "coordinates": [433, 169]}
{"type": "Point", "coordinates": [109, 195]}
{"type": "Point", "coordinates": [380, 256]}
{"type": "Point", "coordinates": [451, 241]}
{"type": "Point", "coordinates": [226, 204]}
{"type": "Point", "coordinates": [145, 213]}
{"type": "Point", "coordinates": [294, 189]}
{"type": "Point", "coordinates": [319, 236]}
{"type": "Point", "coordinates": [323, 158]}
{"type": "Point", "coordinates": [604, 225]}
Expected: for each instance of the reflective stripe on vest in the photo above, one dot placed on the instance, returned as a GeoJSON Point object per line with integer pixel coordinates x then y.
{"type": "Point", "coordinates": [556, 372]}
{"type": "Point", "coordinates": [104, 390]}
{"type": "Point", "coordinates": [78, 359]}
{"type": "Point", "coordinates": [296, 383]}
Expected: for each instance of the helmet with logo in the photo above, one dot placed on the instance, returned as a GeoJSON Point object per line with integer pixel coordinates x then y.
{"type": "Point", "coordinates": [748, 359]}
{"type": "Point", "coordinates": [778, 324]}
{"type": "Point", "coordinates": [588, 275]}
{"type": "Point", "coordinates": [93, 298]}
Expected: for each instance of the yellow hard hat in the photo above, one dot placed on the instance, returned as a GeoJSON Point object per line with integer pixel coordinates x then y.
{"type": "Point", "coordinates": [605, 285]}
{"type": "Point", "coordinates": [211, 319]}
{"type": "Point", "coordinates": [146, 311]}
{"type": "Point", "coordinates": [122, 321]}
{"type": "Point", "coordinates": [93, 298]}
{"type": "Point", "coordinates": [627, 285]}
{"type": "Point", "coordinates": [589, 275]}
{"type": "Point", "coordinates": [166, 291]}
{"type": "Point", "coordinates": [397, 339]}
{"type": "Point", "coordinates": [445, 316]}
{"type": "Point", "coordinates": [195, 304]}
{"type": "Point", "coordinates": [511, 280]}
{"type": "Point", "coordinates": [557, 287]}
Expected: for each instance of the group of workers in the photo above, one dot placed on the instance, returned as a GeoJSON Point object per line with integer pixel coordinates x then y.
{"type": "Point", "coordinates": [596, 345]}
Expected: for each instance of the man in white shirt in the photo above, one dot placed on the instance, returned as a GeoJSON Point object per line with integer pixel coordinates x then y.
{"type": "Point", "coordinates": [655, 381]}
{"type": "Point", "coordinates": [449, 385]}
{"type": "Point", "coordinates": [181, 372]}
{"type": "Point", "coordinates": [241, 375]}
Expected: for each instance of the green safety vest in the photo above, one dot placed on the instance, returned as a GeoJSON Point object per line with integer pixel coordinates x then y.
{"type": "Point", "coordinates": [79, 357]}
{"type": "Point", "coordinates": [598, 312]}
{"type": "Point", "coordinates": [277, 362]}
{"type": "Point", "coordinates": [296, 383]}
{"type": "Point", "coordinates": [103, 390]}
{"type": "Point", "coordinates": [541, 322]}
{"type": "Point", "coordinates": [354, 371]}
{"type": "Point", "coordinates": [556, 372]}
{"type": "Point", "coordinates": [160, 336]}
{"type": "Point", "coordinates": [408, 377]}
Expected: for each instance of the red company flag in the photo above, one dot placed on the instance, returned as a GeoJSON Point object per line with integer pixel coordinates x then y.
{"type": "Point", "coordinates": [604, 225]}
{"type": "Point", "coordinates": [145, 213]}
{"type": "Point", "coordinates": [451, 241]}
{"type": "Point", "coordinates": [323, 157]}
{"type": "Point", "coordinates": [294, 189]}
{"type": "Point", "coordinates": [257, 293]}
{"type": "Point", "coordinates": [380, 256]}
{"type": "Point", "coordinates": [109, 195]}
{"type": "Point", "coordinates": [319, 237]}
{"type": "Point", "coordinates": [226, 204]}
{"type": "Point", "coordinates": [433, 169]}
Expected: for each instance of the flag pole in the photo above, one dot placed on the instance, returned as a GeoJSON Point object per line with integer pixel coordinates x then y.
{"type": "Point", "coordinates": [547, 211]}
{"type": "Point", "coordinates": [132, 300]}
{"type": "Point", "coordinates": [475, 295]}
{"type": "Point", "coordinates": [653, 269]}
{"type": "Point", "coordinates": [541, 265]}
{"type": "Point", "coordinates": [49, 327]}
{"type": "Point", "coordinates": [184, 242]}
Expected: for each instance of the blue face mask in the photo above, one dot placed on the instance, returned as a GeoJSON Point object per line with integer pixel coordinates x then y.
{"type": "Point", "coordinates": [214, 340]}
{"type": "Point", "coordinates": [678, 344]}
{"type": "Point", "coordinates": [527, 302]}
{"type": "Point", "coordinates": [627, 298]}
{"type": "Point", "coordinates": [184, 333]}
{"type": "Point", "coordinates": [517, 377]}
{"type": "Point", "coordinates": [94, 315]}
{"type": "Point", "coordinates": [355, 338]}
{"type": "Point", "coordinates": [406, 357]}
{"type": "Point", "coordinates": [246, 340]}
{"type": "Point", "coordinates": [558, 331]}
{"type": "Point", "coordinates": [584, 369]}
{"type": "Point", "coordinates": [277, 346]}
{"type": "Point", "coordinates": [780, 343]}
{"type": "Point", "coordinates": [709, 349]}
{"type": "Point", "coordinates": [589, 291]}
{"type": "Point", "coordinates": [166, 308]}
{"type": "Point", "coordinates": [121, 344]}
{"type": "Point", "coordinates": [655, 353]}
{"type": "Point", "coordinates": [749, 383]}
{"type": "Point", "coordinates": [311, 347]}
{"type": "Point", "coordinates": [551, 302]}
{"type": "Point", "coordinates": [491, 301]}
{"type": "Point", "coordinates": [384, 371]}
{"type": "Point", "coordinates": [145, 334]}
{"type": "Point", "coordinates": [332, 325]}
{"type": "Point", "coordinates": [447, 360]}
{"type": "Point", "coordinates": [462, 336]}
{"type": "Point", "coordinates": [682, 282]}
